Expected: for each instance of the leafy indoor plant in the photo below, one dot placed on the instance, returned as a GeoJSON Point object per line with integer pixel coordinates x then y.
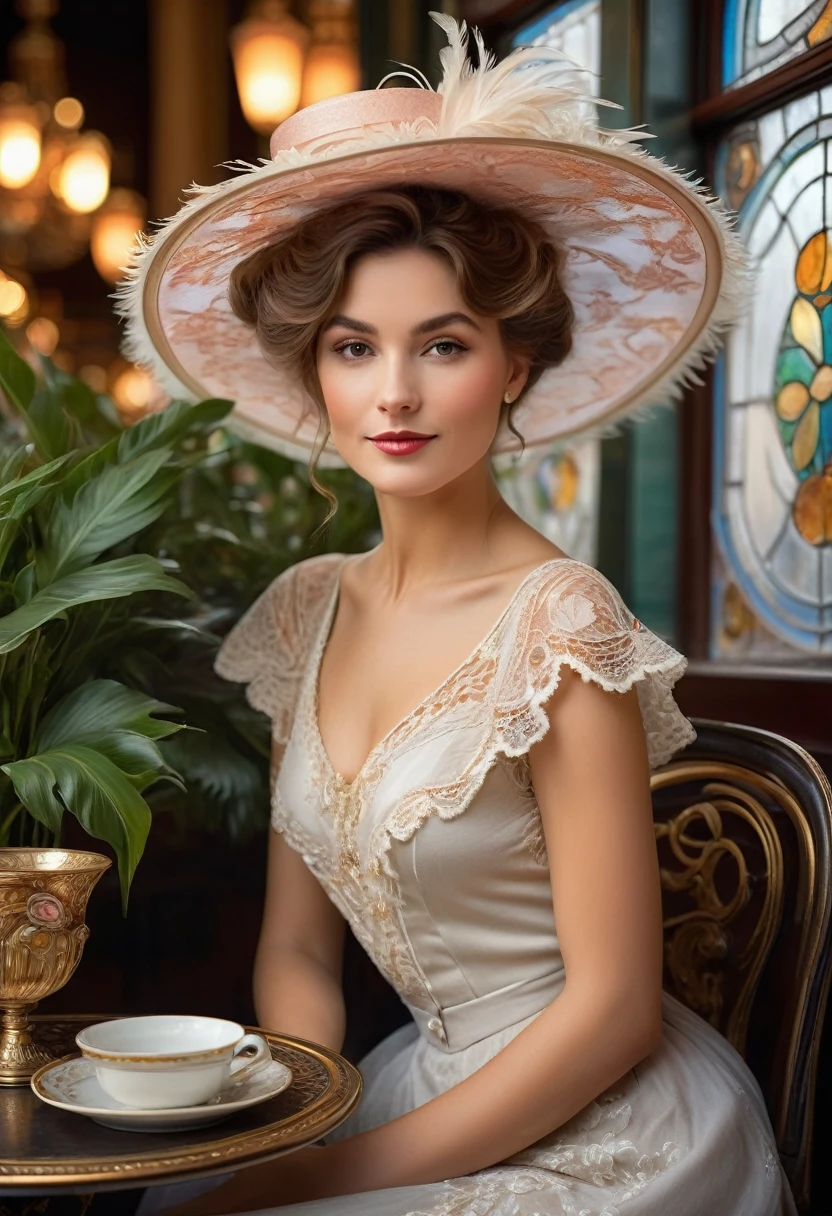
{"type": "Point", "coordinates": [71, 589]}
{"type": "Point", "coordinates": [197, 523]}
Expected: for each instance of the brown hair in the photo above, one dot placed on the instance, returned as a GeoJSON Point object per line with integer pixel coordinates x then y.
{"type": "Point", "coordinates": [505, 264]}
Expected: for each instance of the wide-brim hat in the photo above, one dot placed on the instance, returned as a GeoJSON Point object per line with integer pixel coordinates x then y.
{"type": "Point", "coordinates": [653, 268]}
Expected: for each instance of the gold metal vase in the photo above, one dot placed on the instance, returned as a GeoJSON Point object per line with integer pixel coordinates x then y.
{"type": "Point", "coordinates": [43, 901]}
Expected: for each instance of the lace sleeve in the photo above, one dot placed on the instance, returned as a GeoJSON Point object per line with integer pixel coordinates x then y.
{"type": "Point", "coordinates": [577, 619]}
{"type": "Point", "coordinates": [268, 647]}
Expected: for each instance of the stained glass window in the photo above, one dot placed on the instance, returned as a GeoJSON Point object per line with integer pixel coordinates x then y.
{"type": "Point", "coordinates": [557, 491]}
{"type": "Point", "coordinates": [760, 35]}
{"type": "Point", "coordinates": [772, 582]}
{"type": "Point", "coordinates": [573, 27]}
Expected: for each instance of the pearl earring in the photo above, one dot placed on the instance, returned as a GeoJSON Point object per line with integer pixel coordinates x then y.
{"type": "Point", "coordinates": [507, 398]}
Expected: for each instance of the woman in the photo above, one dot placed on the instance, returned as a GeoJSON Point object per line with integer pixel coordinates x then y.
{"type": "Point", "coordinates": [464, 719]}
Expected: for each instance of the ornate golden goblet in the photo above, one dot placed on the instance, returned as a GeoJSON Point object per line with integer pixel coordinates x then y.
{"type": "Point", "coordinates": [43, 900]}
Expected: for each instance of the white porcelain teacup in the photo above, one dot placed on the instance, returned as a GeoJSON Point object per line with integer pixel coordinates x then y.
{"type": "Point", "coordinates": [165, 1061]}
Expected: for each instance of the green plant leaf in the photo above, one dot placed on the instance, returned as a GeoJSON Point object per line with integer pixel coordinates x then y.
{"type": "Point", "coordinates": [59, 433]}
{"type": "Point", "coordinates": [98, 708]}
{"type": "Point", "coordinates": [16, 376]}
{"type": "Point", "coordinates": [94, 414]}
{"type": "Point", "coordinates": [23, 586]}
{"type": "Point", "coordinates": [99, 795]}
{"type": "Point", "coordinates": [108, 580]}
{"type": "Point", "coordinates": [210, 763]}
{"type": "Point", "coordinates": [14, 511]}
{"type": "Point", "coordinates": [33, 782]}
{"type": "Point", "coordinates": [171, 424]}
{"type": "Point", "coordinates": [140, 759]}
{"type": "Point", "coordinates": [89, 467]}
{"type": "Point", "coordinates": [17, 381]}
{"type": "Point", "coordinates": [14, 486]}
{"type": "Point", "coordinates": [118, 502]}
{"type": "Point", "coordinates": [11, 468]}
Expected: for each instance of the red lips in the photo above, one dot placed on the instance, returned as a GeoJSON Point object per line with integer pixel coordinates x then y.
{"type": "Point", "coordinates": [400, 443]}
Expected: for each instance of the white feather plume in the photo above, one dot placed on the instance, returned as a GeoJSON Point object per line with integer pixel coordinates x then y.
{"type": "Point", "coordinates": [536, 91]}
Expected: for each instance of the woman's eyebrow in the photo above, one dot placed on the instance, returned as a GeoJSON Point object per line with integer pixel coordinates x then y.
{"type": "Point", "coordinates": [447, 318]}
{"type": "Point", "coordinates": [339, 321]}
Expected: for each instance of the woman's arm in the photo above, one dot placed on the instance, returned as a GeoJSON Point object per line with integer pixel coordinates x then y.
{"type": "Point", "coordinates": [591, 778]}
{"type": "Point", "coordinates": [297, 968]}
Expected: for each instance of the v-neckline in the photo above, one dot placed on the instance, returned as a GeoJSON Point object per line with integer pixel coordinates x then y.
{"type": "Point", "coordinates": [320, 649]}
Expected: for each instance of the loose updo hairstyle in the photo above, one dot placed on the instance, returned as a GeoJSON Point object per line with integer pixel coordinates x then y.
{"type": "Point", "coordinates": [505, 264]}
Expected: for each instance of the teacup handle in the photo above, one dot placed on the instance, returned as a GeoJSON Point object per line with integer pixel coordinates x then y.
{"type": "Point", "coordinates": [261, 1058]}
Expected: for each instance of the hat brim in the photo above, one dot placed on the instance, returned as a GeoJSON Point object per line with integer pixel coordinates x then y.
{"type": "Point", "coordinates": [648, 269]}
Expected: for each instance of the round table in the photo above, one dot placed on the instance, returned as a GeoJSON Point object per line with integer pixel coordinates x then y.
{"type": "Point", "coordinates": [45, 1151]}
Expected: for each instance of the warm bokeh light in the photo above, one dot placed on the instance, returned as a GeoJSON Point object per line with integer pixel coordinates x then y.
{"type": "Point", "coordinates": [133, 389]}
{"type": "Point", "coordinates": [14, 302]}
{"type": "Point", "coordinates": [114, 232]}
{"type": "Point", "coordinates": [68, 113]}
{"type": "Point", "coordinates": [19, 147]}
{"type": "Point", "coordinates": [43, 335]}
{"type": "Point", "coordinates": [94, 376]}
{"type": "Point", "coordinates": [329, 70]}
{"type": "Point", "coordinates": [268, 49]}
{"type": "Point", "coordinates": [83, 180]}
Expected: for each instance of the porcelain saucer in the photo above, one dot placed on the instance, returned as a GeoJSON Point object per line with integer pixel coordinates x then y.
{"type": "Point", "coordinates": [70, 1084]}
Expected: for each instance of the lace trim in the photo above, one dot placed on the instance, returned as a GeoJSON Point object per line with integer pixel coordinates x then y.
{"type": "Point", "coordinates": [371, 911]}
{"type": "Point", "coordinates": [269, 646]}
{"type": "Point", "coordinates": [572, 617]}
{"type": "Point", "coordinates": [590, 1149]}
{"type": "Point", "coordinates": [565, 614]}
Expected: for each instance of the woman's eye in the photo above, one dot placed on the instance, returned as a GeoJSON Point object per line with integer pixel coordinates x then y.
{"type": "Point", "coordinates": [353, 350]}
{"type": "Point", "coordinates": [447, 347]}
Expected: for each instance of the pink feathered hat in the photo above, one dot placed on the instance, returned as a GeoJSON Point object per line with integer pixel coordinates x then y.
{"type": "Point", "coordinates": [653, 268]}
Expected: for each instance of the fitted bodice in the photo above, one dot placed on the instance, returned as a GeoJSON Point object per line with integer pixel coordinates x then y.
{"type": "Point", "coordinates": [435, 853]}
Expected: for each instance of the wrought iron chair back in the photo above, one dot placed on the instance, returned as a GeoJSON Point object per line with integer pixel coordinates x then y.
{"type": "Point", "coordinates": [744, 831]}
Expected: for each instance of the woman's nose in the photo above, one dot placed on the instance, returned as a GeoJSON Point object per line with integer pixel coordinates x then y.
{"type": "Point", "coordinates": [398, 390]}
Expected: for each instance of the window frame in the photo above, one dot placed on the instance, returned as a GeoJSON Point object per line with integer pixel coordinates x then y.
{"type": "Point", "coordinates": [715, 110]}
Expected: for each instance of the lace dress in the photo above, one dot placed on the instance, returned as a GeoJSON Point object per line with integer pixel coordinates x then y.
{"type": "Point", "coordinates": [435, 856]}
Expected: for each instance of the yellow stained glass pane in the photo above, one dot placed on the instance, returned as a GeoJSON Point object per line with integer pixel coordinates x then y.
{"type": "Point", "coordinates": [822, 29]}
{"type": "Point", "coordinates": [813, 272]}
{"type": "Point", "coordinates": [805, 439]}
{"type": "Point", "coordinates": [792, 401]}
{"type": "Point", "coordinates": [806, 327]}
{"type": "Point", "coordinates": [812, 512]}
{"type": "Point", "coordinates": [821, 388]}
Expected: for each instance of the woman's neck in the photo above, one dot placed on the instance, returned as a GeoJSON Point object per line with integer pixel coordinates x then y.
{"type": "Point", "coordinates": [436, 538]}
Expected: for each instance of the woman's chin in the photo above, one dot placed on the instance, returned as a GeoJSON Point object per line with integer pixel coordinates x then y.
{"type": "Point", "coordinates": [409, 476]}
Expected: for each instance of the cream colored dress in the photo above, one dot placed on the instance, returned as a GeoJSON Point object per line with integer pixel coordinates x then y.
{"type": "Point", "coordinates": [436, 858]}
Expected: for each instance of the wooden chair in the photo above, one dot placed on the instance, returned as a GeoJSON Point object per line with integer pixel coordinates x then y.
{"type": "Point", "coordinates": [744, 829]}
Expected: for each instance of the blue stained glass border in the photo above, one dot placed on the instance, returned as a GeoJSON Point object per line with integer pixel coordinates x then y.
{"type": "Point", "coordinates": [732, 46]}
{"type": "Point", "coordinates": [740, 16]}
{"type": "Point", "coordinates": [534, 29]}
{"type": "Point", "coordinates": [781, 613]}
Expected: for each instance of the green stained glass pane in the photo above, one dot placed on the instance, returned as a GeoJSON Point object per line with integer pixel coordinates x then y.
{"type": "Point", "coordinates": [773, 409]}
{"type": "Point", "coordinates": [826, 322]}
{"type": "Point", "coordinates": [795, 364]}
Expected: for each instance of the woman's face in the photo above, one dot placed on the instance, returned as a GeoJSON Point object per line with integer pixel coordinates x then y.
{"type": "Point", "coordinates": [405, 356]}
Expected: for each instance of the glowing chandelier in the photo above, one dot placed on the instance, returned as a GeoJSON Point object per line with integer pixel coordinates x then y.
{"type": "Point", "coordinates": [280, 64]}
{"type": "Point", "coordinates": [55, 198]}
